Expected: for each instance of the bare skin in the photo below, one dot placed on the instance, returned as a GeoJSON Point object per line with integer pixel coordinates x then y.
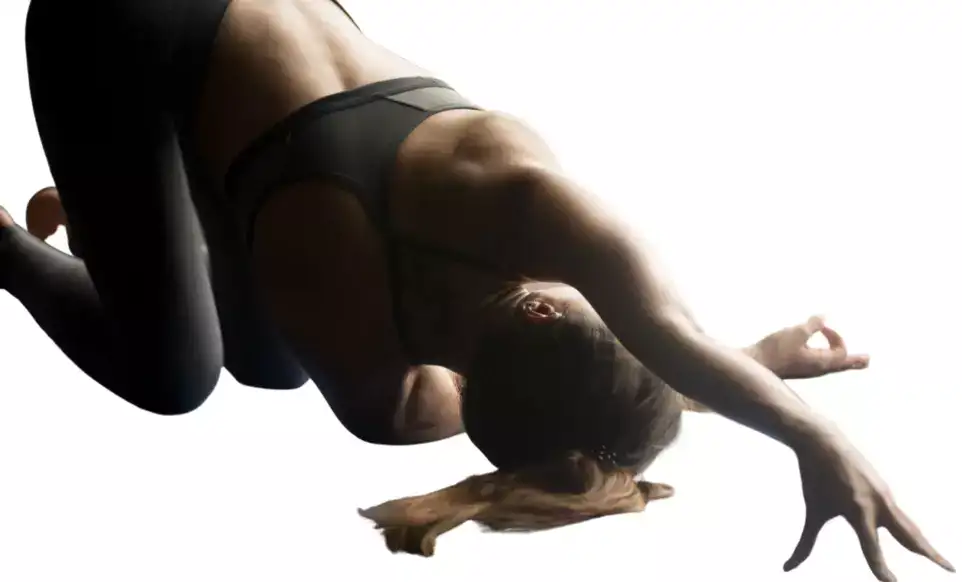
{"type": "Point", "coordinates": [483, 184]}
{"type": "Point", "coordinates": [785, 352]}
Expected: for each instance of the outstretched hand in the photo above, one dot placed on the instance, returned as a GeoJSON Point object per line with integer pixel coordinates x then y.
{"type": "Point", "coordinates": [836, 480]}
{"type": "Point", "coordinates": [841, 483]}
{"type": "Point", "coordinates": [787, 353]}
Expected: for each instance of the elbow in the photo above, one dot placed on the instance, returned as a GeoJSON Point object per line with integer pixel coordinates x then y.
{"type": "Point", "coordinates": [387, 434]}
{"type": "Point", "coordinates": [394, 431]}
{"type": "Point", "coordinates": [372, 435]}
{"type": "Point", "coordinates": [370, 428]}
{"type": "Point", "coordinates": [381, 429]}
{"type": "Point", "coordinates": [425, 408]}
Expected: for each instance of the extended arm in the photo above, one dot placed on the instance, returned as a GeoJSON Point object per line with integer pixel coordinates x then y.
{"type": "Point", "coordinates": [569, 239]}
{"type": "Point", "coordinates": [549, 230]}
{"type": "Point", "coordinates": [753, 353]}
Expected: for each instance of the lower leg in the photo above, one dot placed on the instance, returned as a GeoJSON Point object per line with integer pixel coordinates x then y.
{"type": "Point", "coordinates": [253, 351]}
{"type": "Point", "coordinates": [56, 289]}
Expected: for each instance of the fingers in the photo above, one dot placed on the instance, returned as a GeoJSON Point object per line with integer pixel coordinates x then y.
{"type": "Point", "coordinates": [908, 534]}
{"type": "Point", "coordinates": [814, 325]}
{"type": "Point", "coordinates": [835, 340]}
{"type": "Point", "coordinates": [806, 543]}
{"type": "Point", "coordinates": [855, 362]}
{"type": "Point", "coordinates": [833, 362]}
{"type": "Point", "coordinates": [867, 531]}
{"type": "Point", "coordinates": [836, 357]}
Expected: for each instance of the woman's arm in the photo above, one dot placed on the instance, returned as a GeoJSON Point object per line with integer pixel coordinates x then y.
{"type": "Point", "coordinates": [409, 405]}
{"type": "Point", "coordinates": [431, 406]}
{"type": "Point", "coordinates": [547, 229]}
{"type": "Point", "coordinates": [753, 353]}
{"type": "Point", "coordinates": [567, 237]}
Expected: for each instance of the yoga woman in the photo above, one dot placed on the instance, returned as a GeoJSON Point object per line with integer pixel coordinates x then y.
{"type": "Point", "coordinates": [371, 229]}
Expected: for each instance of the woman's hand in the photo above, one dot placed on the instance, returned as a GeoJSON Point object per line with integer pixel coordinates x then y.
{"type": "Point", "coordinates": [788, 355]}
{"type": "Point", "coordinates": [838, 482]}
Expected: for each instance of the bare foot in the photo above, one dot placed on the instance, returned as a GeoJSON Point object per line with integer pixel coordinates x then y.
{"type": "Point", "coordinates": [45, 213]}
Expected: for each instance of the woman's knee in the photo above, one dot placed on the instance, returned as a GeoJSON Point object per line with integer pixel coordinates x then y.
{"type": "Point", "coordinates": [277, 373]}
{"type": "Point", "coordinates": [170, 400]}
{"type": "Point", "coordinates": [168, 391]}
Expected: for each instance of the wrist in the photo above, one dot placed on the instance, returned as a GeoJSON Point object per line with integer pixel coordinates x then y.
{"type": "Point", "coordinates": [756, 354]}
{"type": "Point", "coordinates": [817, 436]}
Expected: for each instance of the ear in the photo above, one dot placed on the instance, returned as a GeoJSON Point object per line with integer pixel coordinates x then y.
{"type": "Point", "coordinates": [539, 310]}
{"type": "Point", "coordinates": [653, 491]}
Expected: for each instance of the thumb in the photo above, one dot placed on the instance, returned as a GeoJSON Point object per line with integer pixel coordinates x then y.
{"type": "Point", "coordinates": [806, 543]}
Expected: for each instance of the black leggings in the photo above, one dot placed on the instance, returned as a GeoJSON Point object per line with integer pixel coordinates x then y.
{"type": "Point", "coordinates": [112, 82]}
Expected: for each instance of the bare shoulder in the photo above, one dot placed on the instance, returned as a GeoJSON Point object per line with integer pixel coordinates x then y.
{"type": "Point", "coordinates": [488, 185]}
{"type": "Point", "coordinates": [500, 140]}
{"type": "Point", "coordinates": [454, 177]}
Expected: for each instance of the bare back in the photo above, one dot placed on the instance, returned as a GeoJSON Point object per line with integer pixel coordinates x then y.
{"type": "Point", "coordinates": [318, 258]}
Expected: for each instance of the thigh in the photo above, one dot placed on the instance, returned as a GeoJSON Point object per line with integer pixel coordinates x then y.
{"type": "Point", "coordinates": [254, 351]}
{"type": "Point", "coordinates": [100, 94]}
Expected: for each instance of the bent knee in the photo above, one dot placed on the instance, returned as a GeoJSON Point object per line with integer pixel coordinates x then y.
{"type": "Point", "coordinates": [267, 372]}
{"type": "Point", "coordinates": [176, 402]}
{"type": "Point", "coordinates": [175, 394]}
{"type": "Point", "coordinates": [268, 381]}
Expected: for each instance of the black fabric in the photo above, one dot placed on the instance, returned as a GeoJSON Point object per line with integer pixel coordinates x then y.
{"type": "Point", "coordinates": [351, 138]}
{"type": "Point", "coordinates": [112, 84]}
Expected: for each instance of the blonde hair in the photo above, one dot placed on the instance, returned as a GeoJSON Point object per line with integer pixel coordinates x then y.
{"type": "Point", "coordinates": [571, 490]}
{"type": "Point", "coordinates": [567, 415]}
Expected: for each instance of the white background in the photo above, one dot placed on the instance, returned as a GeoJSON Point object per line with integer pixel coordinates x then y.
{"type": "Point", "coordinates": [787, 158]}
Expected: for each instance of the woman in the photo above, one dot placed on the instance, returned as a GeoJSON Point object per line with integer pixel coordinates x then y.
{"type": "Point", "coordinates": [368, 227]}
{"type": "Point", "coordinates": [413, 524]}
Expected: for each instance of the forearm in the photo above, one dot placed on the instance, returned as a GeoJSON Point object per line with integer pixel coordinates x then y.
{"type": "Point", "coordinates": [673, 297]}
{"type": "Point", "coordinates": [723, 379]}
{"type": "Point", "coordinates": [753, 353]}
{"type": "Point", "coordinates": [577, 242]}
{"type": "Point", "coordinates": [634, 298]}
